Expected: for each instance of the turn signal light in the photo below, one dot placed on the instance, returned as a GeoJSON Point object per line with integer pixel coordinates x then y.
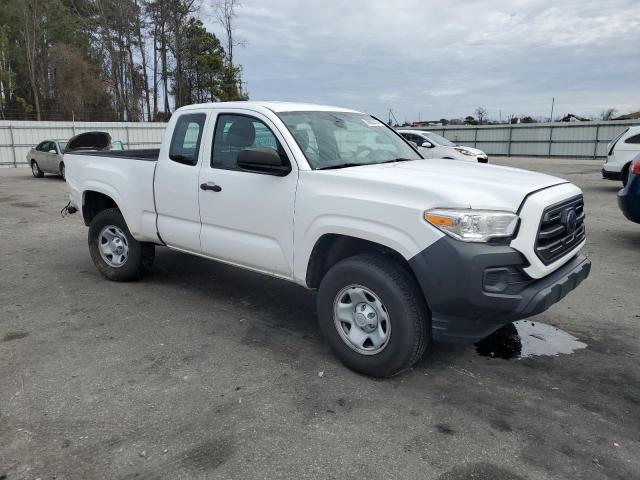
{"type": "Point", "coordinates": [438, 220]}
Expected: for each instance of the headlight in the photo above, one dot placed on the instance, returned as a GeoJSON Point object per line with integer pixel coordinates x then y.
{"type": "Point", "coordinates": [473, 225]}
{"type": "Point", "coordinates": [463, 151]}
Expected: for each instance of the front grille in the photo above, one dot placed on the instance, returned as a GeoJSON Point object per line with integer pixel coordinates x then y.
{"type": "Point", "coordinates": [561, 229]}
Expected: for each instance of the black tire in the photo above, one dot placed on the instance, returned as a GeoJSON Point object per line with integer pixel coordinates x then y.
{"type": "Point", "coordinates": [61, 169]}
{"type": "Point", "coordinates": [35, 169]}
{"type": "Point", "coordinates": [140, 256]}
{"type": "Point", "coordinates": [625, 175]}
{"type": "Point", "coordinates": [403, 301]}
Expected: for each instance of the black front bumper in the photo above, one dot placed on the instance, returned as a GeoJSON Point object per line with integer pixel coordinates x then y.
{"type": "Point", "coordinates": [611, 175]}
{"type": "Point", "coordinates": [465, 308]}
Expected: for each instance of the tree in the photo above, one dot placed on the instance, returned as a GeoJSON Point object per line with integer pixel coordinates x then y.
{"type": "Point", "coordinates": [31, 30]}
{"type": "Point", "coordinates": [608, 114]}
{"type": "Point", "coordinates": [444, 121]}
{"type": "Point", "coordinates": [481, 114]}
{"type": "Point", "coordinates": [469, 120]}
{"type": "Point", "coordinates": [232, 83]}
{"type": "Point", "coordinates": [204, 64]}
{"type": "Point", "coordinates": [7, 76]}
{"type": "Point", "coordinates": [64, 58]}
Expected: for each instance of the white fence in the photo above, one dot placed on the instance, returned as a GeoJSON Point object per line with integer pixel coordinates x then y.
{"type": "Point", "coordinates": [17, 138]}
{"type": "Point", "coordinates": [585, 139]}
{"type": "Point", "coordinates": [558, 139]}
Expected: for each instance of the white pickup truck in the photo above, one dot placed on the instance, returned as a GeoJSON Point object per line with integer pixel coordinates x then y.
{"type": "Point", "coordinates": [401, 250]}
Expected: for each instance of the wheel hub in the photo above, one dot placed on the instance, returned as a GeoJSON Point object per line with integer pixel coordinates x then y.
{"type": "Point", "coordinates": [365, 317]}
{"type": "Point", "coordinates": [117, 246]}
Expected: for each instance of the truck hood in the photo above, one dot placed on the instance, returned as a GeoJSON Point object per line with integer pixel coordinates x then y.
{"type": "Point", "coordinates": [456, 184]}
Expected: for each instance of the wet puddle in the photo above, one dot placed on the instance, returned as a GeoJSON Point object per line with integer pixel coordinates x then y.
{"type": "Point", "coordinates": [524, 339]}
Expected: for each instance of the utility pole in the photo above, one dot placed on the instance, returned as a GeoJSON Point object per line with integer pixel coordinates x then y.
{"type": "Point", "coordinates": [553, 101]}
{"type": "Point", "coordinates": [391, 115]}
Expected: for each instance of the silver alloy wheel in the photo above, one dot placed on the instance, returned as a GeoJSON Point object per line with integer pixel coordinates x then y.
{"type": "Point", "coordinates": [361, 319]}
{"type": "Point", "coordinates": [34, 169]}
{"type": "Point", "coordinates": [113, 245]}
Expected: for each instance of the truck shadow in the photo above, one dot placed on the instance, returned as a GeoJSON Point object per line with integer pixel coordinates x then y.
{"type": "Point", "coordinates": [269, 301]}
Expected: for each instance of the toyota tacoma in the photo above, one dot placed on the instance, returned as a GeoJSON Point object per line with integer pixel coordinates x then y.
{"type": "Point", "coordinates": [401, 251]}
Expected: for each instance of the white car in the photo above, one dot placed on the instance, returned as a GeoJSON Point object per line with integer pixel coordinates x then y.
{"type": "Point", "coordinates": [620, 152]}
{"type": "Point", "coordinates": [432, 145]}
{"type": "Point", "coordinates": [402, 251]}
{"type": "Point", "coordinates": [46, 157]}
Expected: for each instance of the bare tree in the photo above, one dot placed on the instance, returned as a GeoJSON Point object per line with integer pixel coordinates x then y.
{"type": "Point", "coordinates": [143, 55]}
{"type": "Point", "coordinates": [226, 13]}
{"type": "Point", "coordinates": [481, 113]}
{"type": "Point", "coordinates": [608, 114]}
{"type": "Point", "coordinates": [30, 25]}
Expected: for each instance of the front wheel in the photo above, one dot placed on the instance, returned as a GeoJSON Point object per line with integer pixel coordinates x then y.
{"type": "Point", "coordinates": [116, 254]}
{"type": "Point", "coordinates": [35, 169]}
{"type": "Point", "coordinates": [373, 315]}
{"type": "Point", "coordinates": [62, 171]}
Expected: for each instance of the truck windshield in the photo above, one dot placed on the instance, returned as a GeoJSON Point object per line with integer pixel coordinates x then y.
{"type": "Point", "coordinates": [340, 139]}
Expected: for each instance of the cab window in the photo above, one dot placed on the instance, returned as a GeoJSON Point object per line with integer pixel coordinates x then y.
{"type": "Point", "coordinates": [238, 132]}
{"type": "Point", "coordinates": [634, 139]}
{"type": "Point", "coordinates": [187, 134]}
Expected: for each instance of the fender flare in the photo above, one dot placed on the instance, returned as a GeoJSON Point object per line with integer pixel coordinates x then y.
{"type": "Point", "coordinates": [380, 233]}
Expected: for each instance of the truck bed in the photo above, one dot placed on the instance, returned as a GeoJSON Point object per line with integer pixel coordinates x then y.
{"type": "Point", "coordinates": [117, 174]}
{"type": "Point", "coordinates": [146, 154]}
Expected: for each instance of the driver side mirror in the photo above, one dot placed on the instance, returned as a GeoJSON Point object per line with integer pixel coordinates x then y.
{"type": "Point", "coordinates": [52, 151]}
{"type": "Point", "coordinates": [427, 144]}
{"type": "Point", "coordinates": [263, 160]}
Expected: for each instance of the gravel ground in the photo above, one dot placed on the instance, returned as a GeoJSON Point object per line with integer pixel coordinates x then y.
{"type": "Point", "coordinates": [205, 371]}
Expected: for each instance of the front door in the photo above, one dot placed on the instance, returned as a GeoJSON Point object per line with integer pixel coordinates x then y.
{"type": "Point", "coordinates": [176, 182]}
{"type": "Point", "coordinates": [247, 218]}
{"type": "Point", "coordinates": [49, 160]}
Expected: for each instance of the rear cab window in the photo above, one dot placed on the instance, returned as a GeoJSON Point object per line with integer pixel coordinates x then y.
{"type": "Point", "coordinates": [186, 139]}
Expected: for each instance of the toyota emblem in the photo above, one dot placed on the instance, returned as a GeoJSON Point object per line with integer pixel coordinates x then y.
{"type": "Point", "coordinates": [571, 220]}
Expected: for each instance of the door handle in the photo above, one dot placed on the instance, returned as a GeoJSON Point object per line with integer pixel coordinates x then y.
{"type": "Point", "coordinates": [211, 186]}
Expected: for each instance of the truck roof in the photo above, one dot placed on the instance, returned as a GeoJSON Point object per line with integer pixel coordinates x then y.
{"type": "Point", "coordinates": [272, 105]}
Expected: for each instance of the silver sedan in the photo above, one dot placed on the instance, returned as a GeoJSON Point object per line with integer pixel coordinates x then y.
{"type": "Point", "coordinates": [46, 157]}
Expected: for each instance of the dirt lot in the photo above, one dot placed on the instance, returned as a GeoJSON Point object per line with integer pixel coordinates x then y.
{"type": "Point", "coordinates": [205, 371]}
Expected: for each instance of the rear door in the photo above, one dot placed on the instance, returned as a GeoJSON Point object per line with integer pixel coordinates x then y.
{"type": "Point", "coordinates": [248, 218]}
{"type": "Point", "coordinates": [176, 182]}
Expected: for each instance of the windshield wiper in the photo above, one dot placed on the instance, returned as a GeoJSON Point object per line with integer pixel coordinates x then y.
{"type": "Point", "coordinates": [345, 165]}
{"type": "Point", "coordinates": [342, 165]}
{"type": "Point", "coordinates": [397, 160]}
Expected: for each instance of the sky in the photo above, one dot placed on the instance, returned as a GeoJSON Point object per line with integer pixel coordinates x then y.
{"type": "Point", "coordinates": [432, 59]}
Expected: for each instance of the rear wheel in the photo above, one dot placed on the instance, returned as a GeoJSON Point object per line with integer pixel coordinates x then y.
{"type": "Point", "coordinates": [625, 175]}
{"type": "Point", "coordinates": [373, 315]}
{"type": "Point", "coordinates": [114, 251]}
{"type": "Point", "coordinates": [35, 170]}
